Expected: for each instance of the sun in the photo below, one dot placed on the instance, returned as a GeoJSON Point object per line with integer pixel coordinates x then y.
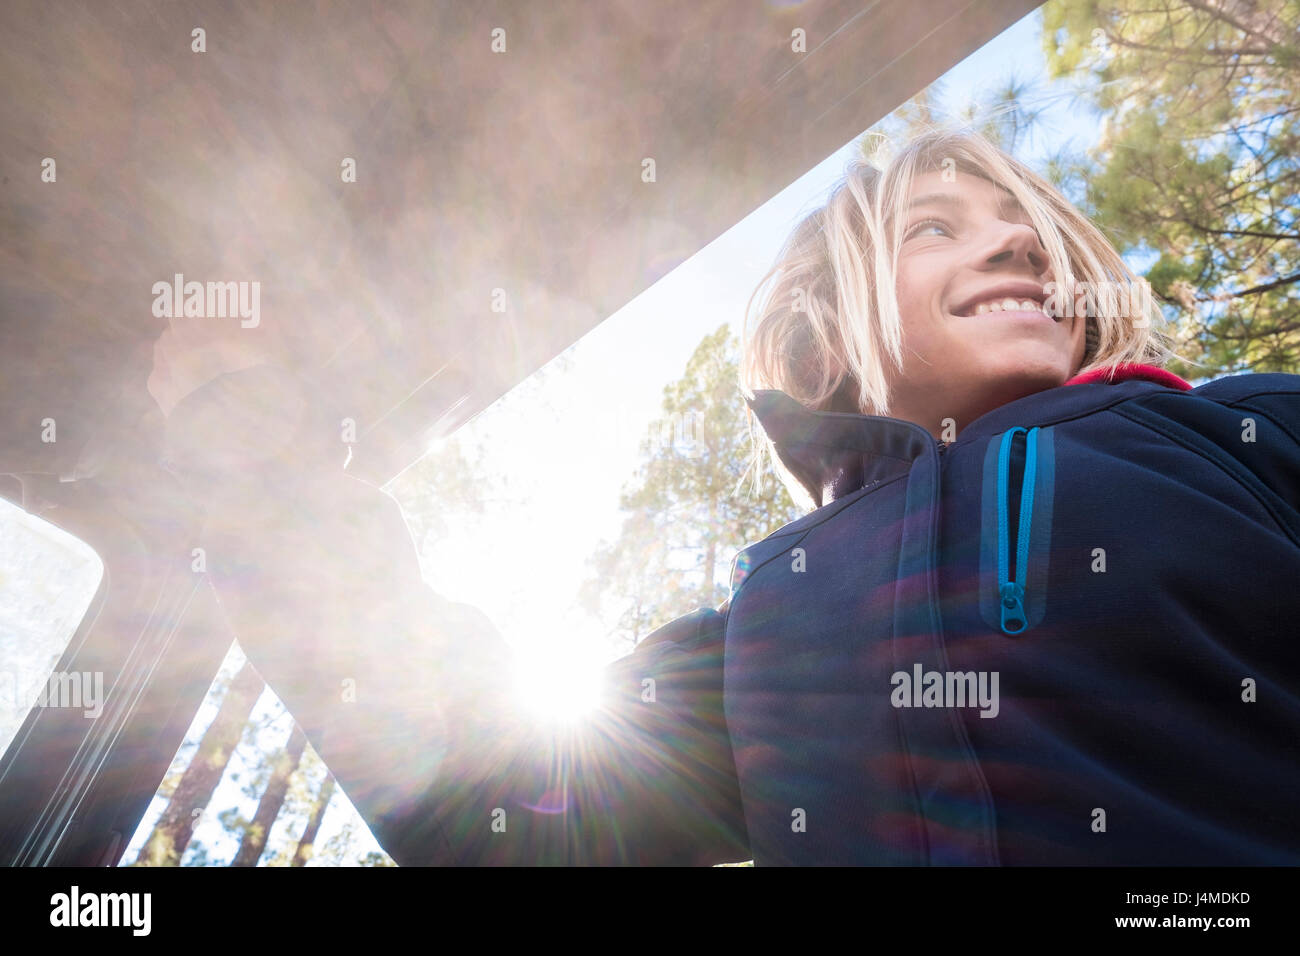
{"type": "Point", "coordinates": [557, 684]}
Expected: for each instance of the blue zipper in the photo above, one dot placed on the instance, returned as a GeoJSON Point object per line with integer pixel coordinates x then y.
{"type": "Point", "coordinates": [1011, 594]}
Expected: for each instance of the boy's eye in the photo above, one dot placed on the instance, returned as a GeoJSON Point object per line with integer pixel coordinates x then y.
{"type": "Point", "coordinates": [927, 224]}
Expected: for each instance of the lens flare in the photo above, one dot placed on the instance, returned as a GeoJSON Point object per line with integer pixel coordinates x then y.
{"type": "Point", "coordinates": [558, 685]}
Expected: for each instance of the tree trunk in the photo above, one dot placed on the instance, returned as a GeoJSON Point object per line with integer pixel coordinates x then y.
{"type": "Point", "coordinates": [171, 834]}
{"type": "Point", "coordinates": [306, 845]}
{"type": "Point", "coordinates": [268, 808]}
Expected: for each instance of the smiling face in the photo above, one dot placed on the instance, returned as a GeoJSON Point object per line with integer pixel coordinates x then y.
{"type": "Point", "coordinates": [968, 244]}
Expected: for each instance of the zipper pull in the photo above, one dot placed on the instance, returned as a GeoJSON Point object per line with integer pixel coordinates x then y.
{"type": "Point", "coordinates": [1013, 607]}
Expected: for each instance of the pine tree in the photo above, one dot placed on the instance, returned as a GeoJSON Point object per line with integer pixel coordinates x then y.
{"type": "Point", "coordinates": [1198, 163]}
{"type": "Point", "coordinates": [268, 807]}
{"type": "Point", "coordinates": [171, 834]}
{"type": "Point", "coordinates": [306, 843]}
{"type": "Point", "coordinates": [688, 509]}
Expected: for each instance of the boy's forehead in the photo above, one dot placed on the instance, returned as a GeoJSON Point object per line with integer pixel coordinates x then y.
{"type": "Point", "coordinates": [938, 183]}
{"type": "Point", "coordinates": [934, 190]}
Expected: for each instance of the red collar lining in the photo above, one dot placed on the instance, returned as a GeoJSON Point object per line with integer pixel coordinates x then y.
{"type": "Point", "coordinates": [1127, 371]}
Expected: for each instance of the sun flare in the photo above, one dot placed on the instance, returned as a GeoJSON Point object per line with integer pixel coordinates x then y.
{"type": "Point", "coordinates": [558, 685]}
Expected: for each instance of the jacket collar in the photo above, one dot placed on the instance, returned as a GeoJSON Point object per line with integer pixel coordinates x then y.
{"type": "Point", "coordinates": [833, 454]}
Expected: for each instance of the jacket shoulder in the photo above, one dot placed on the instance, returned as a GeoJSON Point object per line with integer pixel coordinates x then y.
{"type": "Point", "coordinates": [1274, 395]}
{"type": "Point", "coordinates": [1247, 425]}
{"type": "Point", "coordinates": [1235, 388]}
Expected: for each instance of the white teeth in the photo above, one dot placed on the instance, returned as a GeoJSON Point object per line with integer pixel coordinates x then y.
{"type": "Point", "coordinates": [1007, 305]}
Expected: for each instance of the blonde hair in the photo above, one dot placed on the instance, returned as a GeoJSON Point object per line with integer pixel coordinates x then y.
{"type": "Point", "coordinates": [828, 334]}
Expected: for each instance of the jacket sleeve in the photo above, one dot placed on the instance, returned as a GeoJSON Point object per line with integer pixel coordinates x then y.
{"type": "Point", "coordinates": [647, 779]}
{"type": "Point", "coordinates": [409, 698]}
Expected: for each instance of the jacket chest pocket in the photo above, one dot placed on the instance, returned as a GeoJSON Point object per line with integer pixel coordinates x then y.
{"type": "Point", "coordinates": [1016, 528]}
